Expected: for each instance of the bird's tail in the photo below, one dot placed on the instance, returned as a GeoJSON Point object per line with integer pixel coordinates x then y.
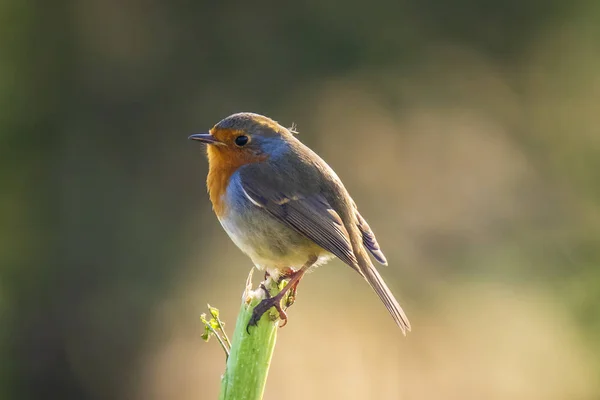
{"type": "Point", "coordinates": [386, 296]}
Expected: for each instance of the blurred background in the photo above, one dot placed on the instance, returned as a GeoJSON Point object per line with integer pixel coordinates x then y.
{"type": "Point", "coordinates": [467, 132]}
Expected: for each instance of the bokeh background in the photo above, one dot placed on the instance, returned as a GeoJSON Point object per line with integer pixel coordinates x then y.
{"type": "Point", "coordinates": [467, 132]}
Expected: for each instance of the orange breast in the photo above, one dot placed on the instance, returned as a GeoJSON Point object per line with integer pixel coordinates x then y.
{"type": "Point", "coordinates": [223, 161]}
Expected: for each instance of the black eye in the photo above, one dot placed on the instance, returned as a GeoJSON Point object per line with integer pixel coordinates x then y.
{"type": "Point", "coordinates": [241, 140]}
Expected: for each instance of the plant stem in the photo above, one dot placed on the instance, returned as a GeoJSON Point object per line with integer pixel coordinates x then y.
{"type": "Point", "coordinates": [248, 364]}
{"type": "Point", "coordinates": [220, 339]}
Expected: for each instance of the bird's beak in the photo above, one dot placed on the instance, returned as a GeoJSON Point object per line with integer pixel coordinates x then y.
{"type": "Point", "coordinates": [205, 138]}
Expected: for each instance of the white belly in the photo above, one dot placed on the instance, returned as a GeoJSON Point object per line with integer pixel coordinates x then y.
{"type": "Point", "coordinates": [271, 245]}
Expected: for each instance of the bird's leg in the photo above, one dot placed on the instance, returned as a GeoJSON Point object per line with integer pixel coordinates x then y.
{"type": "Point", "coordinates": [264, 288]}
{"type": "Point", "coordinates": [275, 301]}
{"type": "Point", "coordinates": [293, 290]}
{"type": "Point", "coordinates": [288, 274]}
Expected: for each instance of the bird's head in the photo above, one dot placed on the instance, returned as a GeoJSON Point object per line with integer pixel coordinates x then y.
{"type": "Point", "coordinates": [244, 138]}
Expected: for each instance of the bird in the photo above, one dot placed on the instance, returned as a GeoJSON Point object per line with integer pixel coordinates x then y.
{"type": "Point", "coordinates": [285, 207]}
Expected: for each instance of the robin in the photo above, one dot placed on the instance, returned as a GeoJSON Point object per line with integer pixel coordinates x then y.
{"type": "Point", "coordinates": [284, 207]}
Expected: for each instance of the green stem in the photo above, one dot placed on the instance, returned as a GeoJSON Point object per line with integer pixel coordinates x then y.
{"type": "Point", "coordinates": [248, 364]}
{"type": "Point", "coordinates": [216, 334]}
{"type": "Point", "coordinates": [225, 337]}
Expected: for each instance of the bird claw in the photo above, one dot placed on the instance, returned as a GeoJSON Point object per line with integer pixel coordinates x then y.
{"type": "Point", "coordinates": [264, 306]}
{"type": "Point", "coordinates": [264, 288]}
{"type": "Point", "coordinates": [287, 275]}
{"type": "Point", "coordinates": [291, 298]}
{"type": "Point", "coordinates": [275, 301]}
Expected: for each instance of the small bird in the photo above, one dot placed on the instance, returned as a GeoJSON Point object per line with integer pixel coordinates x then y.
{"type": "Point", "coordinates": [284, 207]}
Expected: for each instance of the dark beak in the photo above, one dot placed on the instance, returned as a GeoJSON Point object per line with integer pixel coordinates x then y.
{"type": "Point", "coordinates": [205, 138]}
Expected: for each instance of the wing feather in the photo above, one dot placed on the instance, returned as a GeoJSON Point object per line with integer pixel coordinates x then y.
{"type": "Point", "coordinates": [369, 240]}
{"type": "Point", "coordinates": [310, 214]}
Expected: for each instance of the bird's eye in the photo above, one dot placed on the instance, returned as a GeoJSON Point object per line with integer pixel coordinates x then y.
{"type": "Point", "coordinates": [241, 140]}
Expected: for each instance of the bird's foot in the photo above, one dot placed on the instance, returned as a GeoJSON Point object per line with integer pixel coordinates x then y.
{"type": "Point", "coordinates": [286, 274]}
{"type": "Point", "coordinates": [291, 298]}
{"type": "Point", "coordinates": [264, 306]}
{"type": "Point", "coordinates": [289, 274]}
{"type": "Point", "coordinates": [275, 301]}
{"type": "Point", "coordinates": [264, 288]}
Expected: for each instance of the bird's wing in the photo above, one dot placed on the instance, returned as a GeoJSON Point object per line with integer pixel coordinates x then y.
{"type": "Point", "coordinates": [302, 208]}
{"type": "Point", "coordinates": [369, 240]}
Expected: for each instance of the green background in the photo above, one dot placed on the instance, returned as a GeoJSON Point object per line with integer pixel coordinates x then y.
{"type": "Point", "coordinates": [467, 131]}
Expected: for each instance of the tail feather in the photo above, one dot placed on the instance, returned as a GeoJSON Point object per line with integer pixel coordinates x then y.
{"type": "Point", "coordinates": [386, 296]}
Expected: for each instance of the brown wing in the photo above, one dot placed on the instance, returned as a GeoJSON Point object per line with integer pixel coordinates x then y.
{"type": "Point", "coordinates": [369, 239]}
{"type": "Point", "coordinates": [308, 213]}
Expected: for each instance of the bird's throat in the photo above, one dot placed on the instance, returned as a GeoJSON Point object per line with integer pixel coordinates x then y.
{"type": "Point", "coordinates": [222, 164]}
